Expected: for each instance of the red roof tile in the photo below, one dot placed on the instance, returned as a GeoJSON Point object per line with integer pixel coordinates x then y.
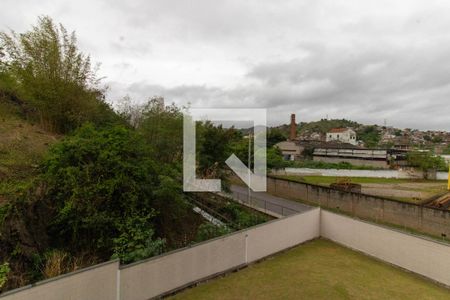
{"type": "Point", "coordinates": [337, 130]}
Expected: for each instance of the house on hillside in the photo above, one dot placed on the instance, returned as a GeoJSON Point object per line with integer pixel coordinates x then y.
{"type": "Point", "coordinates": [343, 135]}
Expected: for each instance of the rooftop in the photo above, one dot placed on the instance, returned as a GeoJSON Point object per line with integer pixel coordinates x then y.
{"type": "Point", "coordinates": [319, 269]}
{"type": "Point", "coordinates": [338, 130]}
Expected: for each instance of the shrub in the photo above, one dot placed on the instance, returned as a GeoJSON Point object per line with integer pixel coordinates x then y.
{"type": "Point", "coordinates": [97, 180]}
{"type": "Point", "coordinates": [426, 162]}
{"type": "Point", "coordinates": [4, 270]}
{"type": "Point", "coordinates": [208, 231]}
{"type": "Point", "coordinates": [56, 263]}
{"type": "Point", "coordinates": [135, 241]}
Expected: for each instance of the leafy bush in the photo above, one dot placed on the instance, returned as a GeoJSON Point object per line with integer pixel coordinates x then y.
{"type": "Point", "coordinates": [208, 231]}
{"type": "Point", "coordinates": [274, 136]}
{"type": "Point", "coordinates": [242, 217]}
{"type": "Point", "coordinates": [275, 159]}
{"type": "Point", "coordinates": [4, 271]}
{"type": "Point", "coordinates": [446, 151]}
{"type": "Point", "coordinates": [370, 135]}
{"type": "Point", "coordinates": [163, 131]}
{"type": "Point", "coordinates": [98, 180]}
{"type": "Point", "coordinates": [135, 241]}
{"type": "Point", "coordinates": [426, 162]}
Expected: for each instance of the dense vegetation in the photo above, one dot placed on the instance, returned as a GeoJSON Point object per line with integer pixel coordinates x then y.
{"type": "Point", "coordinates": [446, 151]}
{"type": "Point", "coordinates": [427, 162]}
{"type": "Point", "coordinates": [52, 78]}
{"type": "Point", "coordinates": [323, 126]}
{"type": "Point", "coordinates": [85, 183]}
{"type": "Point", "coordinates": [370, 135]}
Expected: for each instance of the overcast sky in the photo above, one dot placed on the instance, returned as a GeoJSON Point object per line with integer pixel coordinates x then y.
{"type": "Point", "coordinates": [363, 60]}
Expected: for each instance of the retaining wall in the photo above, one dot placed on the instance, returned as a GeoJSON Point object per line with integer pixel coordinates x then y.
{"type": "Point", "coordinates": [382, 210]}
{"type": "Point", "coordinates": [399, 174]}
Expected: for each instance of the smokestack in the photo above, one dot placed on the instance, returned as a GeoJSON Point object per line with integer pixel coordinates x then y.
{"type": "Point", "coordinates": [293, 129]}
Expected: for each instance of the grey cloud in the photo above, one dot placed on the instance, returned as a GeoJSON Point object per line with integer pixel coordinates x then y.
{"type": "Point", "coordinates": [362, 60]}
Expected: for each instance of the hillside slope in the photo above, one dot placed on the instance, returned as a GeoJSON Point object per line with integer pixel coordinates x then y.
{"type": "Point", "coordinates": [22, 146]}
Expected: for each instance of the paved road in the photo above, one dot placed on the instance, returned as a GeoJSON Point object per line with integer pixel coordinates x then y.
{"type": "Point", "coordinates": [266, 201]}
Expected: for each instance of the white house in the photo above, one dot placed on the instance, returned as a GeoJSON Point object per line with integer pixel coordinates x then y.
{"type": "Point", "coordinates": [343, 135]}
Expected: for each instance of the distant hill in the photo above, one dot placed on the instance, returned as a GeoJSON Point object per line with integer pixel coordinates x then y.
{"type": "Point", "coordinates": [324, 125]}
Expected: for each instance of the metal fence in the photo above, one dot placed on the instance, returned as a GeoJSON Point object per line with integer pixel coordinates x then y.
{"type": "Point", "coordinates": [253, 200]}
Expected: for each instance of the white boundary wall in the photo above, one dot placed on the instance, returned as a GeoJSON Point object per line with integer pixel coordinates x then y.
{"type": "Point", "coordinates": [263, 241]}
{"type": "Point", "coordinates": [400, 174]}
{"type": "Point", "coordinates": [96, 282]}
{"type": "Point", "coordinates": [160, 275]}
{"type": "Point", "coordinates": [419, 255]}
{"type": "Point", "coordinates": [170, 272]}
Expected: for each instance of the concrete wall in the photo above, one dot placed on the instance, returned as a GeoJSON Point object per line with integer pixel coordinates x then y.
{"type": "Point", "coordinates": [427, 220]}
{"type": "Point", "coordinates": [401, 174]}
{"type": "Point", "coordinates": [263, 241]}
{"type": "Point", "coordinates": [160, 275]}
{"type": "Point", "coordinates": [97, 282]}
{"type": "Point", "coordinates": [442, 176]}
{"type": "Point", "coordinates": [421, 256]}
{"type": "Point", "coordinates": [353, 161]}
{"type": "Point", "coordinates": [169, 272]}
{"type": "Point", "coordinates": [163, 274]}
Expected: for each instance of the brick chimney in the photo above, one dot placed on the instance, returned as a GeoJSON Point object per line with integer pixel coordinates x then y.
{"type": "Point", "coordinates": [293, 128]}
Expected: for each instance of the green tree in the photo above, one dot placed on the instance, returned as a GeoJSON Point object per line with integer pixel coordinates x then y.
{"type": "Point", "coordinates": [243, 149]}
{"type": "Point", "coordinates": [437, 139]}
{"type": "Point", "coordinates": [275, 159]}
{"type": "Point", "coordinates": [162, 128]}
{"type": "Point", "coordinates": [54, 76]}
{"type": "Point", "coordinates": [446, 150]}
{"type": "Point", "coordinates": [214, 147]}
{"type": "Point", "coordinates": [370, 135]}
{"type": "Point", "coordinates": [426, 162]}
{"type": "Point", "coordinates": [274, 136]}
{"type": "Point", "coordinates": [98, 180]}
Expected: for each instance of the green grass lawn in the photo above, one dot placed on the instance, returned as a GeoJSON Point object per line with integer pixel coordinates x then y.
{"type": "Point", "coordinates": [318, 270]}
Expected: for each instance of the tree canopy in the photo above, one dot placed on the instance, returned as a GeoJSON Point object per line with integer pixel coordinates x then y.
{"type": "Point", "coordinates": [47, 70]}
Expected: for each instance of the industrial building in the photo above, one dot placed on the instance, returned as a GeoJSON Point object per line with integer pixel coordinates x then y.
{"type": "Point", "coordinates": [378, 158]}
